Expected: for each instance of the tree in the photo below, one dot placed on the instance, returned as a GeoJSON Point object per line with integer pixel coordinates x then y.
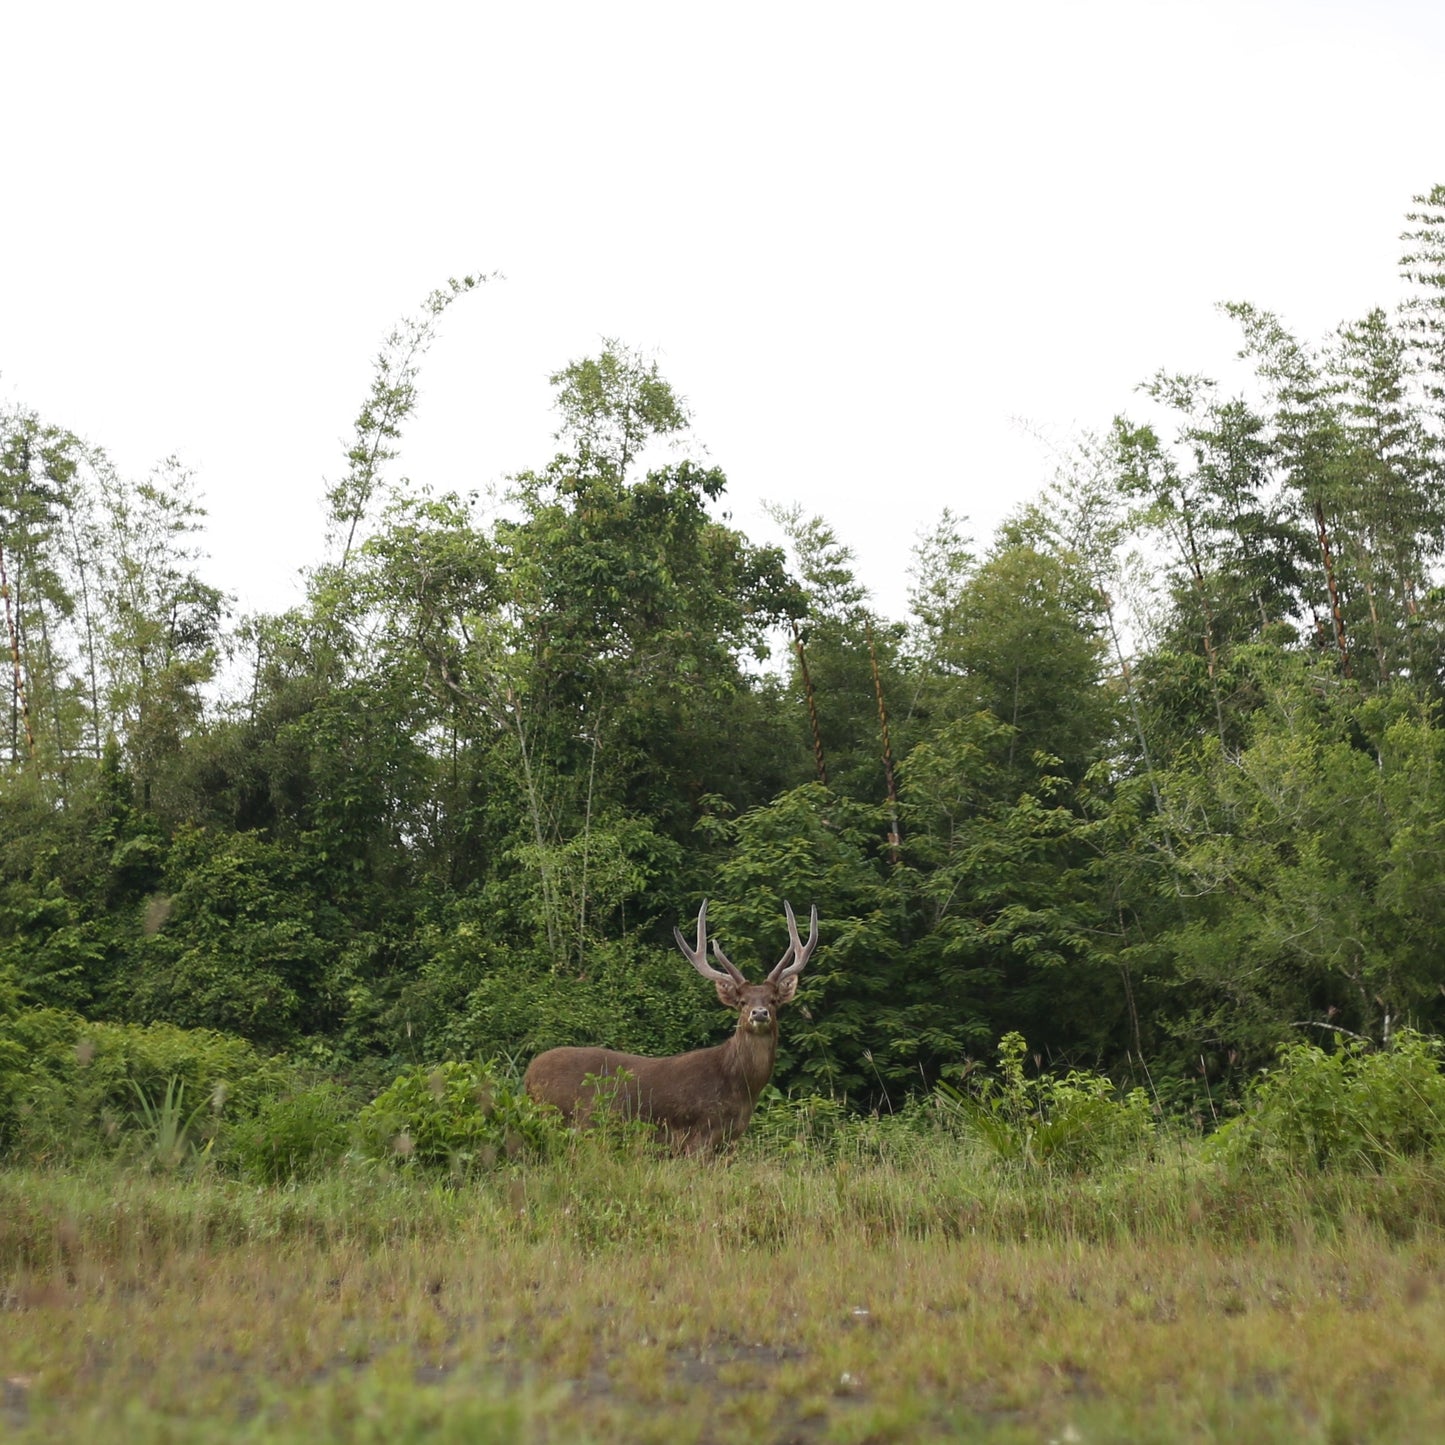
{"type": "Point", "coordinates": [1389, 489]}
{"type": "Point", "coordinates": [1084, 516]}
{"type": "Point", "coordinates": [1306, 864]}
{"type": "Point", "coordinates": [1308, 439]}
{"type": "Point", "coordinates": [1012, 926]}
{"type": "Point", "coordinates": [1423, 312]}
{"type": "Point", "coordinates": [1022, 643]}
{"type": "Point", "coordinates": [378, 427]}
{"type": "Point", "coordinates": [810, 845]}
{"type": "Point", "coordinates": [553, 690]}
{"type": "Point", "coordinates": [163, 623]}
{"type": "Point", "coordinates": [44, 581]}
{"type": "Point", "coordinates": [848, 675]}
{"type": "Point", "coordinates": [612, 405]}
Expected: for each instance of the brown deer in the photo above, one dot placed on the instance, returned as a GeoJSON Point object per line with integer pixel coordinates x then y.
{"type": "Point", "coordinates": [698, 1100]}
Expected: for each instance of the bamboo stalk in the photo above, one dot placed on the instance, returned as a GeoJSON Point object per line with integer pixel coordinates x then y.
{"type": "Point", "coordinates": [894, 837]}
{"type": "Point", "coordinates": [19, 695]}
{"type": "Point", "coordinates": [1334, 589]}
{"type": "Point", "coordinates": [812, 707]}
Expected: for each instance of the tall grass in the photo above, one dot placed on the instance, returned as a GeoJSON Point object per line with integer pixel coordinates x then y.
{"type": "Point", "coordinates": [1040, 1259]}
{"type": "Point", "coordinates": [844, 1293]}
{"type": "Point", "coordinates": [595, 1196]}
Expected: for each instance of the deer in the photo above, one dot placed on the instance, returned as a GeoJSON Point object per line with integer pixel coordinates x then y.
{"type": "Point", "coordinates": [696, 1101]}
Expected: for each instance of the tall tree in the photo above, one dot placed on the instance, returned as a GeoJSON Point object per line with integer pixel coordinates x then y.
{"type": "Point", "coordinates": [612, 405]}
{"type": "Point", "coordinates": [163, 621]}
{"type": "Point", "coordinates": [1389, 488]}
{"type": "Point", "coordinates": [1423, 312]}
{"type": "Point", "coordinates": [388, 405]}
{"type": "Point", "coordinates": [39, 494]}
{"type": "Point", "coordinates": [1308, 440]}
{"type": "Point", "coordinates": [848, 675]}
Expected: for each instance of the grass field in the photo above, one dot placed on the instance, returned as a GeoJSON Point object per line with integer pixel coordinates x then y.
{"type": "Point", "coordinates": [612, 1296]}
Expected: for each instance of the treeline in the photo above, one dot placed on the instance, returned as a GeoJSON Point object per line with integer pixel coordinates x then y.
{"type": "Point", "coordinates": [1154, 778]}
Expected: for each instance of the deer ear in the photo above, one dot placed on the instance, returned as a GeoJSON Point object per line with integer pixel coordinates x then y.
{"type": "Point", "coordinates": [727, 994]}
{"type": "Point", "coordinates": [787, 987]}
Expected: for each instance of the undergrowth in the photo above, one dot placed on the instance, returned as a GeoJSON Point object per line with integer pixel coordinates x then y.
{"type": "Point", "coordinates": [136, 1136]}
{"type": "Point", "coordinates": [594, 1196]}
{"type": "Point", "coordinates": [826, 1279]}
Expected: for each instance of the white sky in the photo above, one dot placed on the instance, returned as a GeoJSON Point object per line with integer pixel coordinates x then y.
{"type": "Point", "coordinates": [863, 241]}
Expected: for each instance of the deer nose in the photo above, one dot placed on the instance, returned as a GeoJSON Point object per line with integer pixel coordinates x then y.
{"type": "Point", "coordinates": [759, 1015]}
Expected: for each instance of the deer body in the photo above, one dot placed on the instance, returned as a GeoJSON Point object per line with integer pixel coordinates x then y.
{"type": "Point", "coordinates": [698, 1100]}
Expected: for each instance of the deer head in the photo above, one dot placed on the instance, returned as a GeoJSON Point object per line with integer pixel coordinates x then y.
{"type": "Point", "coordinates": [757, 1004]}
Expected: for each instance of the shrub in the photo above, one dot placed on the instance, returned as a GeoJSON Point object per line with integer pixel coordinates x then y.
{"type": "Point", "coordinates": [474, 999]}
{"type": "Point", "coordinates": [1354, 1108]}
{"type": "Point", "coordinates": [34, 1044]}
{"type": "Point", "coordinates": [819, 1127]}
{"type": "Point", "coordinates": [784, 1124]}
{"type": "Point", "coordinates": [244, 944]}
{"type": "Point", "coordinates": [175, 1129]}
{"type": "Point", "coordinates": [1075, 1123]}
{"type": "Point", "coordinates": [456, 1116]}
{"type": "Point", "coordinates": [293, 1135]}
{"type": "Point", "coordinates": [101, 1085]}
{"type": "Point", "coordinates": [26, 1035]}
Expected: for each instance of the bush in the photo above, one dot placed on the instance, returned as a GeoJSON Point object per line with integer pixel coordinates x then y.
{"type": "Point", "coordinates": [783, 1124]}
{"type": "Point", "coordinates": [29, 1038]}
{"type": "Point", "coordinates": [455, 1116]}
{"type": "Point", "coordinates": [294, 1135]}
{"type": "Point", "coordinates": [88, 1086]}
{"type": "Point", "coordinates": [479, 1000]}
{"type": "Point", "coordinates": [53, 951]}
{"type": "Point", "coordinates": [820, 1128]}
{"type": "Point", "coordinates": [1356, 1108]}
{"type": "Point", "coordinates": [244, 944]}
{"type": "Point", "coordinates": [35, 1045]}
{"type": "Point", "coordinates": [1074, 1123]}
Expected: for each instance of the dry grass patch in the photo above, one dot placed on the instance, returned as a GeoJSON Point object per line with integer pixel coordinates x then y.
{"type": "Point", "coordinates": [696, 1303]}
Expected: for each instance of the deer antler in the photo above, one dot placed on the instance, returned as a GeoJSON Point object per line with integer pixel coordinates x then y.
{"type": "Point", "coordinates": [697, 957]}
{"type": "Point", "coordinates": [798, 951]}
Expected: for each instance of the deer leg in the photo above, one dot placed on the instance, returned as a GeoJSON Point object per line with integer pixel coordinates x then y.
{"type": "Point", "coordinates": [699, 1140]}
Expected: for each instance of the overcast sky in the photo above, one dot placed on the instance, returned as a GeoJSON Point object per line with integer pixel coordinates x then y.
{"type": "Point", "coordinates": [876, 247]}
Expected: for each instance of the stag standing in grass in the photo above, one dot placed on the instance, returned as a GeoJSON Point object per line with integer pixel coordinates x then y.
{"type": "Point", "coordinates": [698, 1100]}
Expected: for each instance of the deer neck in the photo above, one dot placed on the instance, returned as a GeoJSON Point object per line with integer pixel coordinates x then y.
{"type": "Point", "coordinates": [752, 1055]}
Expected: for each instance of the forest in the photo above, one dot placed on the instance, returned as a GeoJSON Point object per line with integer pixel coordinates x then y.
{"type": "Point", "coordinates": [1154, 778]}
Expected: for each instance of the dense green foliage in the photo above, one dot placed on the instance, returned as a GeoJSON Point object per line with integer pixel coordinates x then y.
{"type": "Point", "coordinates": [455, 1116]}
{"type": "Point", "coordinates": [1163, 791]}
{"type": "Point", "coordinates": [1352, 1109]}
